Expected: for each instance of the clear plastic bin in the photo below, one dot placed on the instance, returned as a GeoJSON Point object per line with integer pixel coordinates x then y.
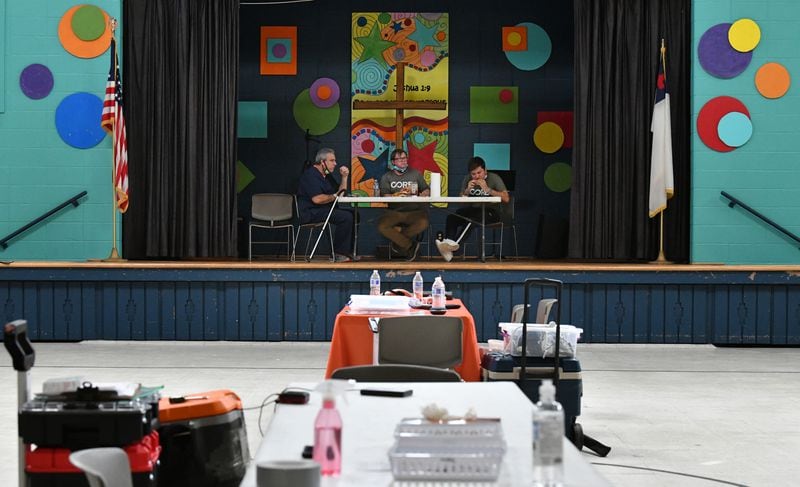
{"type": "Point", "coordinates": [449, 450]}
{"type": "Point", "coordinates": [541, 341]}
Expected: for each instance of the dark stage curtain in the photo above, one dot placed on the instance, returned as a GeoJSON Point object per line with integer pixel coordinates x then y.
{"type": "Point", "coordinates": [181, 65]}
{"type": "Point", "coordinates": [616, 61]}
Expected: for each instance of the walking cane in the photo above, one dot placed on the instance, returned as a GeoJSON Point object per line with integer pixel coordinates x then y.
{"type": "Point", "coordinates": [324, 226]}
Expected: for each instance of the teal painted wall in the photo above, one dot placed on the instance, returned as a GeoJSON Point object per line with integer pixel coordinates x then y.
{"type": "Point", "coordinates": [37, 169]}
{"type": "Point", "coordinates": [765, 172]}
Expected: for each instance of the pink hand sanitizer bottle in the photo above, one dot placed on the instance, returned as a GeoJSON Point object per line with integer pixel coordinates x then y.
{"type": "Point", "coordinates": [328, 431]}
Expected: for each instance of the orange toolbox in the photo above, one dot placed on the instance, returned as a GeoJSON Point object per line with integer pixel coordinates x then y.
{"type": "Point", "coordinates": [203, 440]}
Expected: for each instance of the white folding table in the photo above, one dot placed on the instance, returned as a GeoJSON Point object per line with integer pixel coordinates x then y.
{"type": "Point", "coordinates": [368, 432]}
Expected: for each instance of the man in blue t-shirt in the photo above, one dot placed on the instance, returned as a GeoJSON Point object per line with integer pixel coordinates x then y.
{"type": "Point", "coordinates": [316, 193]}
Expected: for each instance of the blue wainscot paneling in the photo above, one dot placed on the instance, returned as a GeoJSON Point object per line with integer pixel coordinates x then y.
{"type": "Point", "coordinates": [263, 304]}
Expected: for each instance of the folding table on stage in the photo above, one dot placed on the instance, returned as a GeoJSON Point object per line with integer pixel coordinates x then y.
{"type": "Point", "coordinates": [430, 200]}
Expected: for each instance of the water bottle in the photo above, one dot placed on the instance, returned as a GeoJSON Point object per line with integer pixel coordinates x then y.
{"type": "Point", "coordinates": [376, 188]}
{"type": "Point", "coordinates": [437, 294]}
{"type": "Point", "coordinates": [375, 284]}
{"type": "Point", "coordinates": [417, 285]}
{"type": "Point", "coordinates": [548, 438]}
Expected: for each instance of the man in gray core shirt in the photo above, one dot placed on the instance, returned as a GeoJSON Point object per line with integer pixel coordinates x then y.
{"type": "Point", "coordinates": [402, 222]}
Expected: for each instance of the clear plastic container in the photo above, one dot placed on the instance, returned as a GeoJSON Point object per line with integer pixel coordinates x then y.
{"type": "Point", "coordinates": [448, 450]}
{"type": "Point", "coordinates": [541, 340]}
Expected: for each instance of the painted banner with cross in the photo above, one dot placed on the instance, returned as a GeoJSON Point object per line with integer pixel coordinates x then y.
{"type": "Point", "coordinates": [400, 94]}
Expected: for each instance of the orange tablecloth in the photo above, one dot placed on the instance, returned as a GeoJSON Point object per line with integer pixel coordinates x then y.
{"type": "Point", "coordinates": [351, 343]}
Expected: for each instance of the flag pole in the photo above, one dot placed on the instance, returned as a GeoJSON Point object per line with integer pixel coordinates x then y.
{"type": "Point", "coordinates": [114, 255]}
{"type": "Point", "coordinates": [662, 259]}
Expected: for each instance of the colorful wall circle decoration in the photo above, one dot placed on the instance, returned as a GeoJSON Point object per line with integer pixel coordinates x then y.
{"type": "Point", "coordinates": [88, 24]}
{"type": "Point", "coordinates": [708, 121]}
{"type": "Point", "coordinates": [548, 137]}
{"type": "Point", "coordinates": [735, 129]}
{"type": "Point", "coordinates": [772, 80]}
{"type": "Point", "coordinates": [78, 120]}
{"type": "Point", "coordinates": [324, 92]}
{"type": "Point", "coordinates": [36, 81]}
{"type": "Point", "coordinates": [539, 48]}
{"type": "Point", "coordinates": [562, 119]}
{"type": "Point", "coordinates": [558, 177]}
{"type": "Point", "coordinates": [717, 56]}
{"type": "Point", "coordinates": [744, 35]}
{"type": "Point", "coordinates": [310, 117]}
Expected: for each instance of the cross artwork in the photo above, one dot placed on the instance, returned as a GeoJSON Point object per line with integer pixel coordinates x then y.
{"type": "Point", "coordinates": [399, 105]}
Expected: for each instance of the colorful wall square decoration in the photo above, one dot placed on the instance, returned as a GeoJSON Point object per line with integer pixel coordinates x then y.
{"type": "Point", "coordinates": [278, 50]}
{"type": "Point", "coordinates": [496, 156]}
{"type": "Point", "coordinates": [252, 120]}
{"type": "Point", "coordinates": [515, 38]}
{"type": "Point", "coordinates": [493, 104]}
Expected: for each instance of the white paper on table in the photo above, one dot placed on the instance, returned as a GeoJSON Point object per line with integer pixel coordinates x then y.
{"type": "Point", "coordinates": [366, 302]}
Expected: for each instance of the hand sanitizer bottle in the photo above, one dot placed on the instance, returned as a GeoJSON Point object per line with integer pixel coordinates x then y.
{"type": "Point", "coordinates": [328, 429]}
{"type": "Point", "coordinates": [375, 284]}
{"type": "Point", "coordinates": [548, 438]}
{"type": "Point", "coordinates": [417, 285]}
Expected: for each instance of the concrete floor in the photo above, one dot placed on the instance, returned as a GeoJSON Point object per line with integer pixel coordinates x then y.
{"type": "Point", "coordinates": [688, 415]}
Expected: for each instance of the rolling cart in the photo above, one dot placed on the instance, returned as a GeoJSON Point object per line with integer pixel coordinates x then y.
{"type": "Point", "coordinates": [75, 420]}
{"type": "Point", "coordinates": [15, 339]}
{"type": "Point", "coordinates": [529, 372]}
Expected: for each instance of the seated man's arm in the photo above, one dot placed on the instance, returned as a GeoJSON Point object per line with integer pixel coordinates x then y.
{"type": "Point", "coordinates": [504, 197]}
{"type": "Point", "coordinates": [497, 188]}
{"type": "Point", "coordinates": [323, 199]}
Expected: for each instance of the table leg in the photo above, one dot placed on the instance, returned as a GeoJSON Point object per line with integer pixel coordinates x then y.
{"type": "Point", "coordinates": [483, 233]}
{"type": "Point", "coordinates": [355, 231]}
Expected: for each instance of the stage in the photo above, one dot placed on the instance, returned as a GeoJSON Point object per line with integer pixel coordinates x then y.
{"type": "Point", "coordinates": [297, 301]}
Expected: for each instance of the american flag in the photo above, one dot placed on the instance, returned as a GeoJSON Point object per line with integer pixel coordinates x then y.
{"type": "Point", "coordinates": [113, 122]}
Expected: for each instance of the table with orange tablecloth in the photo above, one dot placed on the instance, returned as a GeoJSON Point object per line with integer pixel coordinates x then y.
{"type": "Point", "coordinates": [351, 343]}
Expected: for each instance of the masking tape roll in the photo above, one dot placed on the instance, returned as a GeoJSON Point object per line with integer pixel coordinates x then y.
{"type": "Point", "coordinates": [288, 473]}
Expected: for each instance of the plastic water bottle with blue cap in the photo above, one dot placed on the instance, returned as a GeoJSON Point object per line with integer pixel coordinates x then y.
{"type": "Point", "coordinates": [375, 284]}
{"type": "Point", "coordinates": [437, 294]}
{"type": "Point", "coordinates": [417, 286]}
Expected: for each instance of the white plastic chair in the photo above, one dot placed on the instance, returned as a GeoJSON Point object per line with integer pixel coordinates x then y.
{"type": "Point", "coordinates": [542, 311]}
{"type": "Point", "coordinates": [104, 467]}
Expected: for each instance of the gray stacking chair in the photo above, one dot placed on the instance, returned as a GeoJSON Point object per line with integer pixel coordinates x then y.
{"type": "Point", "coordinates": [434, 341]}
{"type": "Point", "coordinates": [312, 227]}
{"type": "Point", "coordinates": [271, 211]}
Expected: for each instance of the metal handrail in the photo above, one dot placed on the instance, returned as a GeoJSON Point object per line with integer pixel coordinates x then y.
{"type": "Point", "coordinates": [736, 201]}
{"type": "Point", "coordinates": [72, 201]}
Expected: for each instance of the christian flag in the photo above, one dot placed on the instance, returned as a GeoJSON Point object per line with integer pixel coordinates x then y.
{"type": "Point", "coordinates": [662, 185]}
{"type": "Point", "coordinates": [113, 122]}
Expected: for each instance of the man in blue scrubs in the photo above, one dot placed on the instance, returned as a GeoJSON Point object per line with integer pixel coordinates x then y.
{"type": "Point", "coordinates": [316, 193]}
